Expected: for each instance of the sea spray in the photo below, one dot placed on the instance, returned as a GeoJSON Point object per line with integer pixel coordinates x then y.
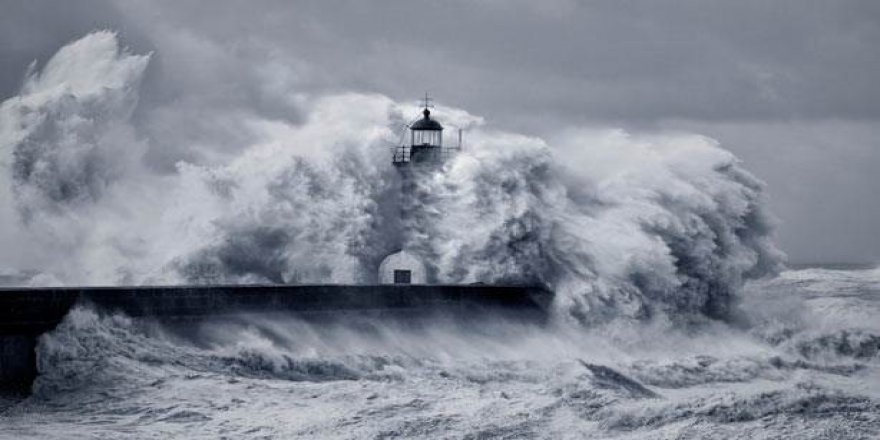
{"type": "Point", "coordinates": [618, 225]}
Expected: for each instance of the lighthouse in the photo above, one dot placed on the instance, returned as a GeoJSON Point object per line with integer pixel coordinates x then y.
{"type": "Point", "coordinates": [421, 151]}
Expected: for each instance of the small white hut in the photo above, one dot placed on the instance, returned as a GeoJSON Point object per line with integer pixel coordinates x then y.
{"type": "Point", "coordinates": [402, 268]}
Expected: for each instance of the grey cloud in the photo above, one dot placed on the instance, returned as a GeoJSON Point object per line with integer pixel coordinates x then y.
{"type": "Point", "coordinates": [743, 60]}
{"type": "Point", "coordinates": [580, 61]}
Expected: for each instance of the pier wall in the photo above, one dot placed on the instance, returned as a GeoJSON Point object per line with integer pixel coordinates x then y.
{"type": "Point", "coordinates": [26, 313]}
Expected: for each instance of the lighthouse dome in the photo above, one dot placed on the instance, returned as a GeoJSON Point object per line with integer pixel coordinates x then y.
{"type": "Point", "coordinates": [426, 123]}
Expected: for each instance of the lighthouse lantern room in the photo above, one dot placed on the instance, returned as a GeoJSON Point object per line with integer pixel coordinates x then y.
{"type": "Point", "coordinates": [425, 141]}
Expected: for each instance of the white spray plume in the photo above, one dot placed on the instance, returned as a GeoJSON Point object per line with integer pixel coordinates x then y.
{"type": "Point", "coordinates": [615, 224]}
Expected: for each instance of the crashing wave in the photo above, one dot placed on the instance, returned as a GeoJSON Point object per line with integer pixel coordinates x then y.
{"type": "Point", "coordinates": [616, 224]}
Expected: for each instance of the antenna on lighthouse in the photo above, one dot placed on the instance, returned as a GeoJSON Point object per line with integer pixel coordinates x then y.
{"type": "Point", "coordinates": [426, 102]}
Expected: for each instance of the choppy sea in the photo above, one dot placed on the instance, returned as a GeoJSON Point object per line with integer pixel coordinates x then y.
{"type": "Point", "coordinates": [799, 361]}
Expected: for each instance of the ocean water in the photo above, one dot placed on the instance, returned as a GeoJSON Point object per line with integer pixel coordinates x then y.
{"type": "Point", "coordinates": [800, 362]}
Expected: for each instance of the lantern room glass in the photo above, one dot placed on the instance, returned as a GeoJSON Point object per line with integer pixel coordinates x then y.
{"type": "Point", "coordinates": [427, 137]}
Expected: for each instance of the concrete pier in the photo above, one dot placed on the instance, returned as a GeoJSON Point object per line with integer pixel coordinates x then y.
{"type": "Point", "coordinates": [26, 313]}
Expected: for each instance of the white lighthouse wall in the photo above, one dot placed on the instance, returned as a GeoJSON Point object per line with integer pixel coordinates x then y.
{"type": "Point", "coordinates": [402, 261]}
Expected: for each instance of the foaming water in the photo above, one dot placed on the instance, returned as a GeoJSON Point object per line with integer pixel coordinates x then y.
{"type": "Point", "coordinates": [279, 376]}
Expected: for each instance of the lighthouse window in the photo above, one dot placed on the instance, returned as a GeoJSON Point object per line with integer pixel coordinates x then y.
{"type": "Point", "coordinates": [422, 137]}
{"type": "Point", "coordinates": [402, 277]}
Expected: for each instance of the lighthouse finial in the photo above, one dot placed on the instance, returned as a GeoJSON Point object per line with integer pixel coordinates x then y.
{"type": "Point", "coordinates": [426, 102]}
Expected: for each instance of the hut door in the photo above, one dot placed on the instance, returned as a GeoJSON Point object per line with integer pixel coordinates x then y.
{"type": "Point", "coordinates": [402, 277]}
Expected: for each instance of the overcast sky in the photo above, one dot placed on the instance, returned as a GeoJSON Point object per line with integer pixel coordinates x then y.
{"type": "Point", "coordinates": [789, 86]}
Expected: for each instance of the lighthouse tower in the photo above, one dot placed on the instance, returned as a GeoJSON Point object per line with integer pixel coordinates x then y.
{"type": "Point", "coordinates": [421, 151]}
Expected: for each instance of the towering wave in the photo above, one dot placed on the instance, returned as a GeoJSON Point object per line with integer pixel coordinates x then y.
{"type": "Point", "coordinates": [626, 226]}
{"type": "Point", "coordinates": [617, 224]}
